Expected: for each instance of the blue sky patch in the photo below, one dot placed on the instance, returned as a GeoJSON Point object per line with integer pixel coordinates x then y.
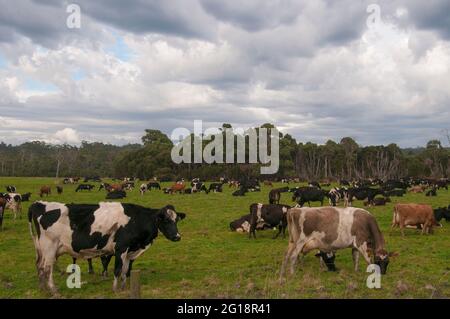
{"type": "Point", "coordinates": [36, 85]}
{"type": "Point", "coordinates": [120, 49]}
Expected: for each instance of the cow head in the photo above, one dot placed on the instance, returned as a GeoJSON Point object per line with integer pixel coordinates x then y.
{"type": "Point", "coordinates": [168, 219]}
{"type": "Point", "coordinates": [382, 260]}
{"type": "Point", "coordinates": [328, 259]}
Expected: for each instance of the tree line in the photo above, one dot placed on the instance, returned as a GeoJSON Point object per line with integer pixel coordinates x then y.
{"type": "Point", "coordinates": [334, 160]}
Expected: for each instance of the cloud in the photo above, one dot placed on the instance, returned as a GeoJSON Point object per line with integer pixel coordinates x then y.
{"type": "Point", "coordinates": [313, 68]}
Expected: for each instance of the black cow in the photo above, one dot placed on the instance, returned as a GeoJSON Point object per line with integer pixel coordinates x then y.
{"type": "Point", "coordinates": [198, 187]}
{"type": "Point", "coordinates": [88, 231]}
{"type": "Point", "coordinates": [441, 184]}
{"type": "Point", "coordinates": [240, 192]}
{"type": "Point", "coordinates": [272, 215]}
{"type": "Point", "coordinates": [361, 194]}
{"type": "Point", "coordinates": [431, 192]}
{"type": "Point", "coordinates": [215, 187]}
{"type": "Point", "coordinates": [116, 194]}
{"type": "Point", "coordinates": [307, 195]}
{"type": "Point", "coordinates": [81, 187]}
{"type": "Point", "coordinates": [26, 197]}
{"type": "Point", "coordinates": [442, 212]}
{"type": "Point", "coordinates": [10, 189]}
{"type": "Point", "coordinates": [154, 185]}
{"type": "Point", "coordinates": [59, 190]}
{"type": "Point", "coordinates": [335, 195]}
{"type": "Point", "coordinates": [314, 184]}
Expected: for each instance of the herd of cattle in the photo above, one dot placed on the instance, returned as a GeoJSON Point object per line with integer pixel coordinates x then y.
{"type": "Point", "coordinates": [125, 231]}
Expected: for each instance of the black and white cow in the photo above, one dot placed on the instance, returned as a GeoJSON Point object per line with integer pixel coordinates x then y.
{"type": "Point", "coordinates": [143, 188]}
{"type": "Point", "coordinates": [92, 230]}
{"type": "Point", "coordinates": [14, 203]}
{"type": "Point", "coordinates": [26, 197]}
{"type": "Point", "coordinates": [215, 187]}
{"type": "Point", "coordinates": [308, 194]}
{"type": "Point", "coordinates": [271, 215]}
{"type": "Point", "coordinates": [116, 194]}
{"type": "Point", "coordinates": [81, 187]}
{"type": "Point", "coordinates": [242, 224]}
{"type": "Point", "coordinates": [11, 189]}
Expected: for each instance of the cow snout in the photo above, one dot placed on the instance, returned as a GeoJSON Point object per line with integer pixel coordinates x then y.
{"type": "Point", "coordinates": [177, 237]}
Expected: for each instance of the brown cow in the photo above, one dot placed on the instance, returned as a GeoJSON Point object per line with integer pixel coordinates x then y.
{"type": "Point", "coordinates": [47, 190]}
{"type": "Point", "coordinates": [413, 215]}
{"type": "Point", "coordinates": [332, 228]}
{"type": "Point", "coordinates": [268, 183]}
{"type": "Point", "coordinates": [177, 187]}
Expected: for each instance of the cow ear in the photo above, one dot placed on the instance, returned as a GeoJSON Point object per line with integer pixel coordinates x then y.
{"type": "Point", "coordinates": [181, 216]}
{"type": "Point", "coordinates": [162, 214]}
{"type": "Point", "coordinates": [393, 254]}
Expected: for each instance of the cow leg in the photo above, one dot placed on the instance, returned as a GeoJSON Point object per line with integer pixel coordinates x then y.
{"type": "Point", "coordinates": [45, 265]}
{"type": "Point", "coordinates": [129, 268]}
{"type": "Point", "coordinates": [90, 269]}
{"type": "Point", "coordinates": [280, 228]}
{"type": "Point", "coordinates": [287, 256]}
{"type": "Point", "coordinates": [117, 270]}
{"type": "Point", "coordinates": [294, 256]}
{"type": "Point", "coordinates": [105, 262]}
{"type": "Point", "coordinates": [355, 257]}
{"type": "Point", "coordinates": [363, 250]}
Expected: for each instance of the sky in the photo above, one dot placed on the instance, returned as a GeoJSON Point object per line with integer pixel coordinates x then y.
{"type": "Point", "coordinates": [318, 70]}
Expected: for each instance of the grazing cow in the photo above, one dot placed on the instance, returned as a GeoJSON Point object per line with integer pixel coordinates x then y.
{"type": "Point", "coordinates": [216, 187]}
{"type": "Point", "coordinates": [47, 190]}
{"type": "Point", "coordinates": [441, 184]}
{"type": "Point", "coordinates": [442, 212]}
{"type": "Point", "coordinates": [335, 195]}
{"type": "Point", "coordinates": [59, 190]}
{"type": "Point", "coordinates": [81, 187]}
{"type": "Point", "coordinates": [127, 186]}
{"type": "Point", "coordinates": [272, 215]}
{"type": "Point", "coordinates": [3, 203]}
{"type": "Point", "coordinates": [25, 197]}
{"type": "Point", "coordinates": [143, 188]}
{"type": "Point", "coordinates": [361, 193]}
{"type": "Point", "coordinates": [413, 215]}
{"type": "Point", "coordinates": [116, 194]}
{"type": "Point", "coordinates": [154, 185]}
{"type": "Point", "coordinates": [314, 184]}
{"type": "Point", "coordinates": [11, 189]}
{"type": "Point", "coordinates": [275, 194]}
{"type": "Point", "coordinates": [330, 229]}
{"type": "Point", "coordinates": [198, 187]}
{"type": "Point", "coordinates": [14, 203]}
{"type": "Point", "coordinates": [307, 195]}
{"type": "Point", "coordinates": [88, 231]}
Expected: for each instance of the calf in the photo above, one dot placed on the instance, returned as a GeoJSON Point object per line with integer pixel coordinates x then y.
{"type": "Point", "coordinates": [81, 187]}
{"type": "Point", "coordinates": [59, 190]}
{"type": "Point", "coordinates": [272, 215]}
{"type": "Point", "coordinates": [14, 203]}
{"type": "Point", "coordinates": [413, 215]}
{"type": "Point", "coordinates": [143, 188]}
{"type": "Point", "coordinates": [275, 194]}
{"type": "Point", "coordinates": [335, 195]}
{"type": "Point", "coordinates": [330, 229]}
{"type": "Point", "coordinates": [88, 231]}
{"type": "Point", "coordinates": [242, 224]}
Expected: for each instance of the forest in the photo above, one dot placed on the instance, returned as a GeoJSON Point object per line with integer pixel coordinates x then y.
{"type": "Point", "coordinates": [332, 160]}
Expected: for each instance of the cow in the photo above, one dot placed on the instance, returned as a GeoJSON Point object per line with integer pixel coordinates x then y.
{"type": "Point", "coordinates": [11, 189]}
{"type": "Point", "coordinates": [361, 193]}
{"type": "Point", "coordinates": [59, 190]}
{"type": "Point", "coordinates": [199, 187]}
{"type": "Point", "coordinates": [268, 183]}
{"type": "Point", "coordinates": [25, 197]}
{"type": "Point", "coordinates": [275, 194]}
{"type": "Point", "coordinates": [116, 194]}
{"type": "Point", "coordinates": [242, 224]}
{"type": "Point", "coordinates": [333, 228]}
{"type": "Point", "coordinates": [334, 195]}
{"type": "Point", "coordinates": [378, 201]}
{"type": "Point", "coordinates": [177, 187]}
{"type": "Point", "coordinates": [442, 212]}
{"type": "Point", "coordinates": [154, 185]}
{"type": "Point", "coordinates": [92, 230]}
{"type": "Point", "coordinates": [431, 192]}
{"type": "Point", "coordinates": [128, 186]}
{"type": "Point", "coordinates": [307, 195]}
{"type": "Point", "coordinates": [413, 215]}
{"type": "Point", "coordinates": [441, 184]}
{"type": "Point", "coordinates": [81, 187]}
{"type": "Point", "coordinates": [14, 203]}
{"type": "Point", "coordinates": [314, 184]}
{"type": "Point", "coordinates": [417, 189]}
{"type": "Point", "coordinates": [47, 190]}
{"type": "Point", "coordinates": [272, 215]}
{"type": "Point", "coordinates": [216, 187]}
{"type": "Point", "coordinates": [240, 192]}
{"type": "Point", "coordinates": [143, 188]}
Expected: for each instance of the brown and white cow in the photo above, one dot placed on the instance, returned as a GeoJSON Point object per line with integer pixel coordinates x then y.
{"type": "Point", "coordinates": [413, 215]}
{"type": "Point", "coordinates": [332, 228]}
{"type": "Point", "coordinates": [14, 203]}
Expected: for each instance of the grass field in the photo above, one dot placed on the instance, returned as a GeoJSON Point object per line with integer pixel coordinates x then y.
{"type": "Point", "coordinates": [212, 262]}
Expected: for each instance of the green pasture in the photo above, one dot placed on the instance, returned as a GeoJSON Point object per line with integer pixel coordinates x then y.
{"type": "Point", "coordinates": [212, 262]}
